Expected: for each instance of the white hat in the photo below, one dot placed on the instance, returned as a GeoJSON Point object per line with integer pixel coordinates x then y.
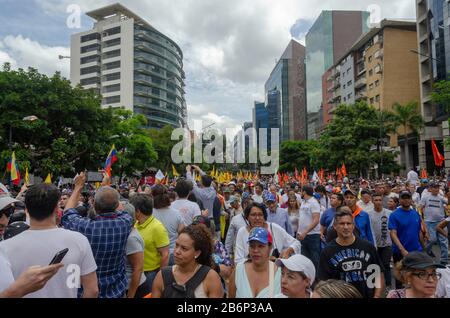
{"type": "Point", "coordinates": [299, 263]}
{"type": "Point", "coordinates": [5, 198]}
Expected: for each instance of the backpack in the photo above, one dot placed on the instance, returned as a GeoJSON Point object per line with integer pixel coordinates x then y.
{"type": "Point", "coordinates": [173, 290]}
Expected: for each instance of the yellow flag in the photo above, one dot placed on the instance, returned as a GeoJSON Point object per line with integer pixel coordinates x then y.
{"type": "Point", "coordinates": [223, 222]}
{"type": "Point", "coordinates": [175, 172]}
{"type": "Point", "coordinates": [212, 173]}
{"type": "Point", "coordinates": [27, 177]}
{"type": "Point", "coordinates": [48, 180]}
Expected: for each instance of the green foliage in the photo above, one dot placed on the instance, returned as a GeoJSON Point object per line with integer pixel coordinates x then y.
{"type": "Point", "coordinates": [298, 154]}
{"type": "Point", "coordinates": [71, 133]}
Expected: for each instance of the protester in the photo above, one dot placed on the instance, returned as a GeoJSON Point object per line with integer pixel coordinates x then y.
{"type": "Point", "coordinates": [393, 204]}
{"type": "Point", "coordinates": [417, 271]}
{"type": "Point", "coordinates": [333, 288]}
{"type": "Point", "coordinates": [155, 237]}
{"type": "Point", "coordinates": [293, 209]}
{"type": "Point", "coordinates": [236, 223]}
{"type": "Point", "coordinates": [443, 286]}
{"type": "Point", "coordinates": [362, 220]}
{"type": "Point", "coordinates": [433, 211]}
{"type": "Point", "coordinates": [323, 199]}
{"type": "Point", "coordinates": [258, 195]}
{"type": "Point", "coordinates": [221, 258]}
{"type": "Point", "coordinates": [341, 259]}
{"type": "Point", "coordinates": [326, 220]}
{"type": "Point", "coordinates": [206, 192]}
{"type": "Point", "coordinates": [309, 229]}
{"type": "Point", "coordinates": [283, 244]}
{"type": "Point", "coordinates": [366, 201]}
{"type": "Point", "coordinates": [6, 210]}
{"type": "Point", "coordinates": [43, 240]}
{"type": "Point", "coordinates": [379, 219]}
{"type": "Point", "coordinates": [258, 277]}
{"type": "Point", "coordinates": [188, 209]}
{"type": "Point", "coordinates": [169, 217]}
{"type": "Point", "coordinates": [412, 177]}
{"type": "Point", "coordinates": [191, 276]}
{"type": "Point", "coordinates": [297, 276]}
{"type": "Point", "coordinates": [30, 281]}
{"type": "Point", "coordinates": [277, 215]}
{"type": "Point", "coordinates": [107, 233]}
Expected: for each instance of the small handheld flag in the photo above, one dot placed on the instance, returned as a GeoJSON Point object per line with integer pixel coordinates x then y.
{"type": "Point", "coordinates": [14, 169]}
{"type": "Point", "coordinates": [112, 158]}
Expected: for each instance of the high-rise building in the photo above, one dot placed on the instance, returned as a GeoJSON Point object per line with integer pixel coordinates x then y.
{"type": "Point", "coordinates": [379, 69]}
{"type": "Point", "coordinates": [285, 94]}
{"type": "Point", "coordinates": [433, 36]}
{"type": "Point", "coordinates": [132, 65]}
{"type": "Point", "coordinates": [330, 37]}
{"type": "Point", "coordinates": [260, 120]}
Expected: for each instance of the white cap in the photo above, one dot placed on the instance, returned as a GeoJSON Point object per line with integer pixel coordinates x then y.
{"type": "Point", "coordinates": [299, 263]}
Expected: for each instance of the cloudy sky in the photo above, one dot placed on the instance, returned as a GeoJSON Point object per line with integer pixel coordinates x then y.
{"type": "Point", "coordinates": [230, 47]}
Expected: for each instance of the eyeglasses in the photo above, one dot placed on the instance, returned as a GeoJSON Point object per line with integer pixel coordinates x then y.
{"type": "Point", "coordinates": [427, 276]}
{"type": "Point", "coordinates": [256, 216]}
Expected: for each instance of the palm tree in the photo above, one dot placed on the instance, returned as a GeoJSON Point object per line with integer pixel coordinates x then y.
{"type": "Point", "coordinates": [407, 117]}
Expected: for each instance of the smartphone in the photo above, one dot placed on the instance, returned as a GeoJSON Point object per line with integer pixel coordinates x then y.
{"type": "Point", "coordinates": [59, 256]}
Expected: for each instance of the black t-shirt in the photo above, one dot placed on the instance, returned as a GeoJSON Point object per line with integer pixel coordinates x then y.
{"type": "Point", "coordinates": [353, 264]}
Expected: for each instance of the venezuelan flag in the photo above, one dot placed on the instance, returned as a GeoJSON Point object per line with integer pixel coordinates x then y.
{"type": "Point", "coordinates": [112, 158]}
{"type": "Point", "coordinates": [14, 169]}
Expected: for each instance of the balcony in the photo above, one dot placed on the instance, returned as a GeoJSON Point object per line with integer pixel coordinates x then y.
{"type": "Point", "coordinates": [360, 83]}
{"type": "Point", "coordinates": [360, 96]}
{"type": "Point", "coordinates": [361, 72]}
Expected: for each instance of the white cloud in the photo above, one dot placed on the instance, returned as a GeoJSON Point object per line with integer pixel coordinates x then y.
{"type": "Point", "coordinates": [230, 46]}
{"type": "Point", "coordinates": [28, 53]}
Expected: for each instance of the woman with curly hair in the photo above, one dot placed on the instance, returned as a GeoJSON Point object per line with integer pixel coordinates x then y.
{"type": "Point", "coordinates": [191, 276]}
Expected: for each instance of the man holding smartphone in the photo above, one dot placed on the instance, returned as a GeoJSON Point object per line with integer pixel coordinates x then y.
{"type": "Point", "coordinates": [44, 240]}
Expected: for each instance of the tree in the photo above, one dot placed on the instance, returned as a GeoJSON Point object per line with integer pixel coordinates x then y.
{"type": "Point", "coordinates": [71, 131]}
{"type": "Point", "coordinates": [441, 96]}
{"type": "Point", "coordinates": [163, 145]}
{"type": "Point", "coordinates": [407, 117]}
{"type": "Point", "coordinates": [134, 146]}
{"type": "Point", "coordinates": [297, 154]}
{"type": "Point", "coordinates": [351, 137]}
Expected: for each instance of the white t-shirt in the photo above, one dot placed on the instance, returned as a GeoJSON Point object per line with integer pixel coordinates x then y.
{"type": "Point", "coordinates": [38, 247]}
{"type": "Point", "coordinates": [413, 177]}
{"type": "Point", "coordinates": [171, 219]}
{"type": "Point", "coordinates": [307, 209]}
{"type": "Point", "coordinates": [443, 286]}
{"type": "Point", "coordinates": [6, 275]}
{"type": "Point", "coordinates": [188, 210]}
{"type": "Point", "coordinates": [257, 198]}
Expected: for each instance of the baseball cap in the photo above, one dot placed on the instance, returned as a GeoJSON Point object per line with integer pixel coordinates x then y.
{"type": "Point", "coordinates": [404, 194]}
{"type": "Point", "coordinates": [261, 235]}
{"type": "Point", "coordinates": [420, 260]}
{"type": "Point", "coordinates": [424, 180]}
{"type": "Point", "coordinates": [5, 198]}
{"type": "Point", "coordinates": [232, 182]}
{"type": "Point", "coordinates": [299, 263]}
{"type": "Point", "coordinates": [233, 198]}
{"type": "Point", "coordinates": [270, 197]}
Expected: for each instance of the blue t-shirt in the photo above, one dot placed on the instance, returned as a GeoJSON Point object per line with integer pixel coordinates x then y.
{"type": "Point", "coordinates": [327, 217]}
{"type": "Point", "coordinates": [362, 222]}
{"type": "Point", "coordinates": [408, 226]}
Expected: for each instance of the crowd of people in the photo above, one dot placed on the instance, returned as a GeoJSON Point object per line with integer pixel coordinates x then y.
{"type": "Point", "coordinates": [256, 238]}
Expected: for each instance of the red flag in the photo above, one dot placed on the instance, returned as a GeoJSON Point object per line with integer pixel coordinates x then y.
{"type": "Point", "coordinates": [285, 177]}
{"type": "Point", "coordinates": [338, 174]}
{"type": "Point", "coordinates": [438, 158]}
{"type": "Point", "coordinates": [296, 174]}
{"type": "Point", "coordinates": [423, 174]}
{"type": "Point", "coordinates": [280, 180]}
{"type": "Point", "coordinates": [343, 170]}
{"type": "Point", "coordinates": [304, 173]}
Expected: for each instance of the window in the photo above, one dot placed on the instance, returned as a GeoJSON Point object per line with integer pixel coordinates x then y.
{"type": "Point", "coordinates": [90, 37]}
{"type": "Point", "coordinates": [111, 54]}
{"type": "Point", "coordinates": [348, 70]}
{"type": "Point", "coordinates": [90, 81]}
{"type": "Point", "coordinates": [111, 88]}
{"type": "Point", "coordinates": [349, 83]}
{"type": "Point", "coordinates": [349, 96]}
{"type": "Point", "coordinates": [90, 59]}
{"type": "Point", "coordinates": [89, 70]}
{"type": "Point", "coordinates": [112, 65]}
{"type": "Point", "coordinates": [371, 86]}
{"type": "Point", "coordinates": [371, 100]}
{"type": "Point", "coordinates": [377, 83]}
{"type": "Point", "coordinates": [112, 31]}
{"type": "Point", "coordinates": [370, 72]}
{"type": "Point", "coordinates": [90, 48]}
{"type": "Point", "coordinates": [345, 99]}
{"type": "Point", "coordinates": [111, 77]}
{"type": "Point", "coordinates": [370, 58]}
{"type": "Point", "coordinates": [156, 91]}
{"type": "Point", "coordinates": [112, 42]}
{"type": "Point", "coordinates": [377, 98]}
{"type": "Point", "coordinates": [344, 86]}
{"type": "Point", "coordinates": [112, 100]}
